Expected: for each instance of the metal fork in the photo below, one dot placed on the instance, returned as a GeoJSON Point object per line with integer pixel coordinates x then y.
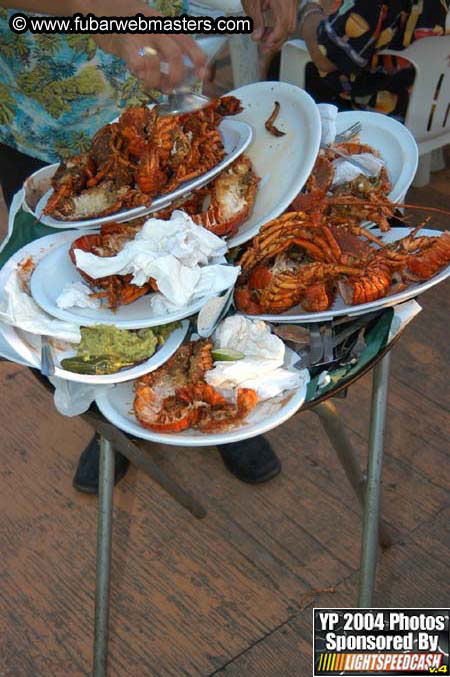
{"type": "Point", "coordinates": [344, 136]}
{"type": "Point", "coordinates": [47, 362]}
{"type": "Point", "coordinates": [184, 99]}
{"type": "Point", "coordinates": [348, 133]}
{"type": "Point", "coordinates": [326, 347]}
{"type": "Point", "coordinates": [321, 346]}
{"type": "Point", "coordinates": [315, 344]}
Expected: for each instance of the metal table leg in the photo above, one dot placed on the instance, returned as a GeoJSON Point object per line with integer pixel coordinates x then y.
{"type": "Point", "coordinates": [142, 460]}
{"type": "Point", "coordinates": [345, 451]}
{"type": "Point", "coordinates": [372, 500]}
{"type": "Point", "coordinates": [104, 540]}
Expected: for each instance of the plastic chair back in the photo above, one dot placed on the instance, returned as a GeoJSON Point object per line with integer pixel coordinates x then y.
{"type": "Point", "coordinates": [428, 114]}
{"type": "Point", "coordinates": [294, 57]}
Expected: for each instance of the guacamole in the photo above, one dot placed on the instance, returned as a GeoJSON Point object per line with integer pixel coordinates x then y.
{"type": "Point", "coordinates": [122, 344]}
{"type": "Point", "coordinates": [104, 349]}
{"type": "Point", "coordinates": [164, 331]}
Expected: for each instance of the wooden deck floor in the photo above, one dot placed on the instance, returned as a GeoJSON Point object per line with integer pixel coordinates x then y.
{"type": "Point", "coordinates": [231, 594]}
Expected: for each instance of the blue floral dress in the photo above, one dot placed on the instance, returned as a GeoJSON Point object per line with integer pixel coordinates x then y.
{"type": "Point", "coordinates": [56, 91]}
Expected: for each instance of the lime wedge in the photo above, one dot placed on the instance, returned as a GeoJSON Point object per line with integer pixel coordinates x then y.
{"type": "Point", "coordinates": [226, 355]}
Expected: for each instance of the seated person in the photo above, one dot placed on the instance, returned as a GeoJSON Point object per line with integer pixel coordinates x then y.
{"type": "Point", "coordinates": [344, 43]}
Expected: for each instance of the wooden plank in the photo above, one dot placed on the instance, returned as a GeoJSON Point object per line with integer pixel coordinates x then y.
{"type": "Point", "coordinates": [288, 649]}
{"type": "Point", "coordinates": [260, 521]}
{"type": "Point", "coordinates": [176, 575]}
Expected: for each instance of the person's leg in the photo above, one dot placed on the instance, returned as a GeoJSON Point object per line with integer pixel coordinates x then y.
{"type": "Point", "coordinates": [87, 473]}
{"type": "Point", "coordinates": [15, 167]}
{"type": "Point", "coordinates": [252, 461]}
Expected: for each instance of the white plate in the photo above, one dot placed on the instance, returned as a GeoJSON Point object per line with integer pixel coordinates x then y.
{"type": "Point", "coordinates": [117, 406]}
{"type": "Point", "coordinates": [56, 270]}
{"type": "Point", "coordinates": [339, 308]}
{"type": "Point", "coordinates": [28, 346]}
{"type": "Point", "coordinates": [32, 345]}
{"type": "Point", "coordinates": [236, 136]}
{"type": "Point", "coordinates": [392, 140]}
{"type": "Point", "coordinates": [283, 163]}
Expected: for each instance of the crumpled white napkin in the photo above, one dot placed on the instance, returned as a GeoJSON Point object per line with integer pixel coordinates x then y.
{"type": "Point", "coordinates": [328, 114]}
{"type": "Point", "coordinates": [184, 259]}
{"type": "Point", "coordinates": [251, 337]}
{"type": "Point", "coordinates": [262, 367]}
{"type": "Point", "coordinates": [404, 313]}
{"type": "Point", "coordinates": [72, 398]}
{"type": "Point", "coordinates": [267, 377]}
{"type": "Point", "coordinates": [18, 309]}
{"type": "Point", "coordinates": [344, 172]}
{"type": "Point", "coordinates": [77, 294]}
{"type": "Point", "coordinates": [213, 279]}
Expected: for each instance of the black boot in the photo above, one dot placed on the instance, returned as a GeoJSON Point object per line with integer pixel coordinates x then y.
{"type": "Point", "coordinates": [252, 461]}
{"type": "Point", "coordinates": [87, 472]}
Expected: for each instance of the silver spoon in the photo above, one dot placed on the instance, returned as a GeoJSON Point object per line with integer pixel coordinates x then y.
{"type": "Point", "coordinates": [183, 99]}
{"type": "Point", "coordinates": [213, 312]}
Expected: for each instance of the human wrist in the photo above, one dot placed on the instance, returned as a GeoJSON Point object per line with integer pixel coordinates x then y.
{"type": "Point", "coordinates": [305, 5]}
{"type": "Point", "coordinates": [310, 15]}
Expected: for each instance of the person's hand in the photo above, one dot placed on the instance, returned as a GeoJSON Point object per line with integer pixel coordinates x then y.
{"type": "Point", "coordinates": [169, 48]}
{"type": "Point", "coordinates": [284, 21]}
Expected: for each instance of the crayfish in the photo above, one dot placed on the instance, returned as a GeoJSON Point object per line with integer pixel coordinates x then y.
{"type": "Point", "coordinates": [296, 260]}
{"type": "Point", "coordinates": [362, 199]}
{"type": "Point", "coordinates": [141, 155]}
{"type": "Point", "coordinates": [231, 197]}
{"type": "Point", "coordinates": [176, 396]}
{"type": "Point", "coordinates": [116, 289]}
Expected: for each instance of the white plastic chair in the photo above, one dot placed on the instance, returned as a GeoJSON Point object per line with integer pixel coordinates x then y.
{"type": "Point", "coordinates": [243, 51]}
{"type": "Point", "coordinates": [211, 45]}
{"type": "Point", "coordinates": [428, 114]}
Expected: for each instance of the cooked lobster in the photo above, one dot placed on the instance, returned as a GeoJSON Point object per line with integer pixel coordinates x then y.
{"type": "Point", "coordinates": [293, 260]}
{"type": "Point", "coordinates": [116, 289]}
{"type": "Point", "coordinates": [139, 156]}
{"type": "Point", "coordinates": [231, 198]}
{"type": "Point", "coordinates": [176, 397]}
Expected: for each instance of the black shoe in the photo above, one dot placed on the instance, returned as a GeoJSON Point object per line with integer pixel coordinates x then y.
{"type": "Point", "coordinates": [87, 472]}
{"type": "Point", "coordinates": [251, 461]}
